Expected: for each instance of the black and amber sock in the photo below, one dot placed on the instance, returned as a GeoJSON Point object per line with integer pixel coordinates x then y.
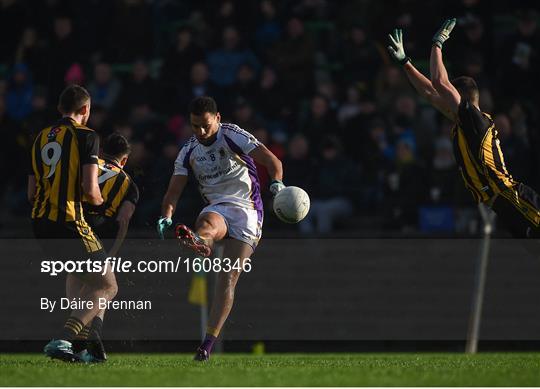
{"type": "Point", "coordinates": [71, 329]}
{"type": "Point", "coordinates": [96, 328]}
{"type": "Point", "coordinates": [79, 343]}
{"type": "Point", "coordinates": [94, 344]}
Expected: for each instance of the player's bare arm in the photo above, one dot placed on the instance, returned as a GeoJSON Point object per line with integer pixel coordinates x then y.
{"type": "Point", "coordinates": [174, 191]}
{"type": "Point", "coordinates": [439, 75]}
{"type": "Point", "coordinates": [123, 218]}
{"type": "Point", "coordinates": [266, 158]}
{"type": "Point", "coordinates": [177, 184]}
{"type": "Point", "coordinates": [90, 185]}
{"type": "Point", "coordinates": [421, 83]}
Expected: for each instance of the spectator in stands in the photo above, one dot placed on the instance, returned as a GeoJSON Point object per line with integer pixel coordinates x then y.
{"type": "Point", "coordinates": [268, 30]}
{"type": "Point", "coordinates": [244, 115]}
{"type": "Point", "coordinates": [354, 106]}
{"type": "Point", "coordinates": [246, 83]}
{"type": "Point", "coordinates": [300, 165]}
{"type": "Point", "coordinates": [19, 93]}
{"type": "Point", "coordinates": [402, 126]}
{"type": "Point", "coordinates": [318, 121]}
{"type": "Point", "coordinates": [99, 120]}
{"type": "Point", "coordinates": [406, 188]}
{"type": "Point", "coordinates": [390, 84]}
{"type": "Point", "coordinates": [444, 176]}
{"type": "Point", "coordinates": [75, 75]}
{"type": "Point", "coordinates": [293, 59]}
{"type": "Point", "coordinates": [131, 33]}
{"type": "Point", "coordinates": [199, 84]}
{"type": "Point", "coordinates": [472, 40]}
{"type": "Point", "coordinates": [180, 58]}
{"type": "Point", "coordinates": [104, 88]}
{"type": "Point", "coordinates": [43, 113]}
{"type": "Point", "coordinates": [271, 100]}
{"type": "Point", "coordinates": [520, 58]}
{"type": "Point", "coordinates": [139, 88]}
{"type": "Point", "coordinates": [62, 51]}
{"type": "Point", "coordinates": [361, 57]}
{"type": "Point", "coordinates": [330, 198]}
{"type": "Point", "coordinates": [225, 61]}
{"type": "Point", "coordinates": [10, 153]}
{"type": "Point", "coordinates": [31, 51]}
{"type": "Point", "coordinates": [12, 23]}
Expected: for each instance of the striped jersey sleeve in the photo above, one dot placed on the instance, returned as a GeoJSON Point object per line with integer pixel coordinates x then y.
{"type": "Point", "coordinates": [245, 141]}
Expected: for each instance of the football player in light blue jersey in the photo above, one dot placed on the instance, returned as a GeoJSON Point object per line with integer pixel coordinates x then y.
{"type": "Point", "coordinates": [221, 157]}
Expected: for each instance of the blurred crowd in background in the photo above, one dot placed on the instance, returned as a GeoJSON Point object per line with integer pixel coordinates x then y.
{"type": "Point", "coordinates": [310, 78]}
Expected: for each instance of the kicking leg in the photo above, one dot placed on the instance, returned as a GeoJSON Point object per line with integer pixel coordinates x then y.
{"type": "Point", "coordinates": [209, 228]}
{"type": "Point", "coordinates": [223, 295]}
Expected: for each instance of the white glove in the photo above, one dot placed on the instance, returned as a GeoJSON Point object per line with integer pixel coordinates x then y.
{"type": "Point", "coordinates": [276, 186]}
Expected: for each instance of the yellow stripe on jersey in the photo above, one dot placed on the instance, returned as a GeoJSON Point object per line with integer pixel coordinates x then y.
{"type": "Point", "coordinates": [484, 171]}
{"type": "Point", "coordinates": [54, 192]}
{"type": "Point", "coordinates": [491, 154]}
{"type": "Point", "coordinates": [107, 186]}
{"type": "Point", "coordinates": [56, 165]}
{"type": "Point", "coordinates": [72, 213]}
{"type": "Point", "coordinates": [471, 170]}
{"type": "Point", "coordinates": [114, 186]}
{"type": "Point", "coordinates": [118, 198]}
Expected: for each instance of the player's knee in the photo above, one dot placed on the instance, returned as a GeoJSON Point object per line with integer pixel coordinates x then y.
{"type": "Point", "coordinates": [111, 289]}
{"type": "Point", "coordinates": [108, 288]}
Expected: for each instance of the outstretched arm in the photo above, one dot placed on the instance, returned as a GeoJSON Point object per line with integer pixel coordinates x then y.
{"type": "Point", "coordinates": [420, 82]}
{"type": "Point", "coordinates": [439, 75]}
{"type": "Point", "coordinates": [426, 89]}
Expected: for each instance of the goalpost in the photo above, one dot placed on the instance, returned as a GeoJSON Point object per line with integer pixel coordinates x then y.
{"type": "Point", "coordinates": [488, 218]}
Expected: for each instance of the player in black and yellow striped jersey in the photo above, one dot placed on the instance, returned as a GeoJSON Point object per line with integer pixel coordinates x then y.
{"type": "Point", "coordinates": [120, 194]}
{"type": "Point", "coordinates": [476, 145]}
{"type": "Point", "coordinates": [64, 172]}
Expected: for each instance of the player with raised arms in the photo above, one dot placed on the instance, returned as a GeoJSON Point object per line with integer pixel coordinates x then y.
{"type": "Point", "coordinates": [476, 145]}
{"type": "Point", "coordinates": [220, 156]}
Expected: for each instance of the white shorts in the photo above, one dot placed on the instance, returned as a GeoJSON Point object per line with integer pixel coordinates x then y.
{"type": "Point", "coordinates": [243, 224]}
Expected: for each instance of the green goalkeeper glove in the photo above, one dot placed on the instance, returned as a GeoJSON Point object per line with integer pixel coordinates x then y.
{"type": "Point", "coordinates": [443, 34]}
{"type": "Point", "coordinates": [162, 225]}
{"type": "Point", "coordinates": [396, 49]}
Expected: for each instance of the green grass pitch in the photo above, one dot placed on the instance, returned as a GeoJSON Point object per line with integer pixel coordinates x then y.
{"type": "Point", "coordinates": [489, 369]}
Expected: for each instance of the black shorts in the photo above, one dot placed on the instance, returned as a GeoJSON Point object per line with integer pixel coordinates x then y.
{"type": "Point", "coordinates": [519, 211]}
{"type": "Point", "coordinates": [68, 240]}
{"type": "Point", "coordinates": [105, 227]}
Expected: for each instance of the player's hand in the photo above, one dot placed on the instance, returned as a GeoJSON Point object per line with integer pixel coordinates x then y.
{"type": "Point", "coordinates": [396, 49]}
{"type": "Point", "coordinates": [443, 34]}
{"type": "Point", "coordinates": [276, 186]}
{"type": "Point", "coordinates": [162, 225]}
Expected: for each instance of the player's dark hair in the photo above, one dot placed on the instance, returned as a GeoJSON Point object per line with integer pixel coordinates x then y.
{"type": "Point", "coordinates": [467, 88]}
{"type": "Point", "coordinates": [72, 99]}
{"type": "Point", "coordinates": [116, 145]}
{"type": "Point", "coordinates": [202, 104]}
